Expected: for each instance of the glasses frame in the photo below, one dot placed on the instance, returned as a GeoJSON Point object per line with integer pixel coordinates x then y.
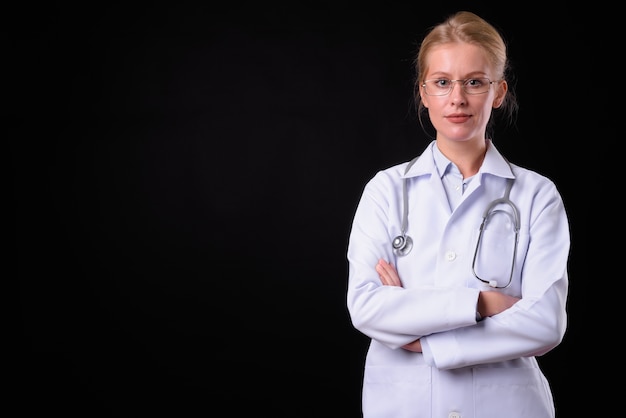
{"type": "Point", "coordinates": [463, 85]}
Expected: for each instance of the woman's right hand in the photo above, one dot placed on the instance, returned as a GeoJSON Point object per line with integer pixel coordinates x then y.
{"type": "Point", "coordinates": [491, 302]}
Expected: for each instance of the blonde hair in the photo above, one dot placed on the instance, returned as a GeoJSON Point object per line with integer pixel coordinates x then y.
{"type": "Point", "coordinates": [469, 28]}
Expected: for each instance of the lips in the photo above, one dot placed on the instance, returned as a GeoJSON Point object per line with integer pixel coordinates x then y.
{"type": "Point", "coordinates": [458, 118]}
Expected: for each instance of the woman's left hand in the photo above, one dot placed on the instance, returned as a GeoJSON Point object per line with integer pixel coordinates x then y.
{"type": "Point", "coordinates": [388, 273]}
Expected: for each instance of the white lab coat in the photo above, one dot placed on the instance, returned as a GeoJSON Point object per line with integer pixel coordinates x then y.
{"type": "Point", "coordinates": [468, 369]}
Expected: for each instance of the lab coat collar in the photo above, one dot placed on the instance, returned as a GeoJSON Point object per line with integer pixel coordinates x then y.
{"type": "Point", "coordinates": [494, 163]}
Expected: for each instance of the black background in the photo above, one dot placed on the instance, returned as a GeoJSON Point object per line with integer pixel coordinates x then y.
{"type": "Point", "coordinates": [185, 179]}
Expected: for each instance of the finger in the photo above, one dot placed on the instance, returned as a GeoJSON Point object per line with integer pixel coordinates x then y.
{"type": "Point", "coordinates": [388, 274]}
{"type": "Point", "coordinates": [382, 273]}
{"type": "Point", "coordinates": [387, 267]}
{"type": "Point", "coordinates": [390, 271]}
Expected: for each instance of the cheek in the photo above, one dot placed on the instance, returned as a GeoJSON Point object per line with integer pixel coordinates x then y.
{"type": "Point", "coordinates": [429, 102]}
{"type": "Point", "coordinates": [489, 106]}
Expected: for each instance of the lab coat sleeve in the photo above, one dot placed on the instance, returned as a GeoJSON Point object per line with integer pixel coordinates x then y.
{"type": "Point", "coordinates": [534, 325]}
{"type": "Point", "coordinates": [392, 315]}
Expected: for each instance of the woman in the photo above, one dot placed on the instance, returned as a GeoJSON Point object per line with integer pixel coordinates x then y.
{"type": "Point", "coordinates": [456, 311]}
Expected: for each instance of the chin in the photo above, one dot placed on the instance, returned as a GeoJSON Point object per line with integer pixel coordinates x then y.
{"type": "Point", "coordinates": [458, 138]}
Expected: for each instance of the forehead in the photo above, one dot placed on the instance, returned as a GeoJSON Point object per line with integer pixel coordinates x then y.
{"type": "Point", "coordinates": [458, 59]}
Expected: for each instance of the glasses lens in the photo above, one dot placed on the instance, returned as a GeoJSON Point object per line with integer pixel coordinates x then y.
{"type": "Point", "coordinates": [476, 85]}
{"type": "Point", "coordinates": [439, 87]}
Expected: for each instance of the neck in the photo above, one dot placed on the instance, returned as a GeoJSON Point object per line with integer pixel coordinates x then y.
{"type": "Point", "coordinates": [468, 156]}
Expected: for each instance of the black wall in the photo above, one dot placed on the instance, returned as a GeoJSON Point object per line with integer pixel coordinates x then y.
{"type": "Point", "coordinates": [186, 176]}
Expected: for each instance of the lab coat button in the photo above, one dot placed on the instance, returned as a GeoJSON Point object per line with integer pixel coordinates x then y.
{"type": "Point", "coordinates": [454, 415]}
{"type": "Point", "coordinates": [450, 255]}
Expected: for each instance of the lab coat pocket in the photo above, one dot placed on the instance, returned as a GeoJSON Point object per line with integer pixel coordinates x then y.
{"type": "Point", "coordinates": [397, 391]}
{"type": "Point", "coordinates": [512, 392]}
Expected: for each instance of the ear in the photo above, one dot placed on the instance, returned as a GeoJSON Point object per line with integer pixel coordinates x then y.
{"type": "Point", "coordinates": [423, 97]}
{"type": "Point", "coordinates": [501, 90]}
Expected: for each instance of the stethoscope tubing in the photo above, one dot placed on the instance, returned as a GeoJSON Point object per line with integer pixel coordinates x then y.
{"type": "Point", "coordinates": [489, 210]}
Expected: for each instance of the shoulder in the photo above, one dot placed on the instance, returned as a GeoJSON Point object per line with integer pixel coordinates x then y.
{"type": "Point", "coordinates": [535, 188]}
{"type": "Point", "coordinates": [531, 177]}
{"type": "Point", "coordinates": [386, 185]}
{"type": "Point", "coordinates": [386, 178]}
{"type": "Point", "coordinates": [393, 174]}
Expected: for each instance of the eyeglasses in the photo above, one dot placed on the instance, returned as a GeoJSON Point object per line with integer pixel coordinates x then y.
{"type": "Point", "coordinates": [443, 86]}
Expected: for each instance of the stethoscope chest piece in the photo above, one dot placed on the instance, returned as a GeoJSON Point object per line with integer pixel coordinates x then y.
{"type": "Point", "coordinates": [402, 245]}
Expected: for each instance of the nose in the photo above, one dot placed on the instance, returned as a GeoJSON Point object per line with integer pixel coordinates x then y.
{"type": "Point", "coordinates": [457, 95]}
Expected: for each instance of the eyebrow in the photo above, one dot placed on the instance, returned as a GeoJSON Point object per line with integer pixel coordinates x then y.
{"type": "Point", "coordinates": [442, 74]}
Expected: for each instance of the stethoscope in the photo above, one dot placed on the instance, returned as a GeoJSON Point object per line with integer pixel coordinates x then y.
{"type": "Point", "coordinates": [403, 244]}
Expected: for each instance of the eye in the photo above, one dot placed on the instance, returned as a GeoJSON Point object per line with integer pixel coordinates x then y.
{"type": "Point", "coordinates": [475, 82]}
{"type": "Point", "coordinates": [443, 82]}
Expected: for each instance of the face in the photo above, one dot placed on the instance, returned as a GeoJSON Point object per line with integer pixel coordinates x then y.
{"type": "Point", "coordinates": [459, 116]}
